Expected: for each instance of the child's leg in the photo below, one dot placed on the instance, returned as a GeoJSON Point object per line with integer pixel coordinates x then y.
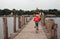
{"type": "Point", "coordinates": [36, 25]}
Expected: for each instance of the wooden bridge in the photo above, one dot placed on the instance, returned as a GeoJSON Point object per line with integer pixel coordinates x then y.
{"type": "Point", "coordinates": [27, 31]}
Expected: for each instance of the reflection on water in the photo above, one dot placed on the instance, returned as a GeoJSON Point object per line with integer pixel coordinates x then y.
{"type": "Point", "coordinates": [57, 20]}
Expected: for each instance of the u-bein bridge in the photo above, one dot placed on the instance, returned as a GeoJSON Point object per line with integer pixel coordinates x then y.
{"type": "Point", "coordinates": [26, 28]}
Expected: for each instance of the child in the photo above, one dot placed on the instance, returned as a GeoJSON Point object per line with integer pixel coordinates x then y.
{"type": "Point", "coordinates": [36, 20]}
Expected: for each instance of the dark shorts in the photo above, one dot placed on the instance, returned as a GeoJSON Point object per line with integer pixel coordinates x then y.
{"type": "Point", "coordinates": [36, 23]}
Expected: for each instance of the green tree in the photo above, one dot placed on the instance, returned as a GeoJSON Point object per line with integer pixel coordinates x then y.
{"type": "Point", "coordinates": [1, 12]}
{"type": "Point", "coordinates": [6, 11]}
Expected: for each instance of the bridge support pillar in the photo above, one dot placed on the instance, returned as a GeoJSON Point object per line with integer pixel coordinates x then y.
{"type": "Point", "coordinates": [19, 22]}
{"type": "Point", "coordinates": [5, 27]}
{"type": "Point", "coordinates": [14, 23]}
{"type": "Point", "coordinates": [54, 32]}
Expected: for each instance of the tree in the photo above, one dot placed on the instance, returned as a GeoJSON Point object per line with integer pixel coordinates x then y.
{"type": "Point", "coordinates": [6, 11]}
{"type": "Point", "coordinates": [14, 11]}
{"type": "Point", "coordinates": [1, 12]}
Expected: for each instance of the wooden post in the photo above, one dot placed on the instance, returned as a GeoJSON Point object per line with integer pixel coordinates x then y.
{"type": "Point", "coordinates": [14, 23]}
{"type": "Point", "coordinates": [31, 17]}
{"type": "Point", "coordinates": [19, 22]}
{"type": "Point", "coordinates": [5, 27]}
{"type": "Point", "coordinates": [24, 19]}
{"type": "Point", "coordinates": [43, 19]}
{"type": "Point", "coordinates": [54, 32]}
{"type": "Point", "coordinates": [52, 28]}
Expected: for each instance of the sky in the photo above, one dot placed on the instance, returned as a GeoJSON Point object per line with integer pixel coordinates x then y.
{"type": "Point", "coordinates": [30, 4]}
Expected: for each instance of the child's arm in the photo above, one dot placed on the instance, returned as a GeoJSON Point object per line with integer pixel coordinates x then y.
{"type": "Point", "coordinates": [39, 19]}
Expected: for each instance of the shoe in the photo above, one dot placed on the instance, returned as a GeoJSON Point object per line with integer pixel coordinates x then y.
{"type": "Point", "coordinates": [34, 26]}
{"type": "Point", "coordinates": [37, 29]}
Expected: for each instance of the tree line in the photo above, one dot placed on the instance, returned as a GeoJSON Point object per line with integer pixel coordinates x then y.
{"type": "Point", "coordinates": [22, 12]}
{"type": "Point", "coordinates": [52, 11]}
{"type": "Point", "coordinates": [15, 12]}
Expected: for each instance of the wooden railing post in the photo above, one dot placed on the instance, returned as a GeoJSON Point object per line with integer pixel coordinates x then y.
{"type": "Point", "coordinates": [30, 17]}
{"type": "Point", "coordinates": [43, 20]}
{"type": "Point", "coordinates": [14, 23]}
{"type": "Point", "coordinates": [24, 19]}
{"type": "Point", "coordinates": [19, 22]}
{"type": "Point", "coordinates": [51, 27]}
{"type": "Point", "coordinates": [5, 27]}
{"type": "Point", "coordinates": [54, 32]}
{"type": "Point", "coordinates": [55, 29]}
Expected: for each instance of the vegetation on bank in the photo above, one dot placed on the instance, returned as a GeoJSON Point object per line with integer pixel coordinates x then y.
{"type": "Point", "coordinates": [22, 12]}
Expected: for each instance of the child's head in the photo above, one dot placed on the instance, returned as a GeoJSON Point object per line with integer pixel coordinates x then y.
{"type": "Point", "coordinates": [36, 14]}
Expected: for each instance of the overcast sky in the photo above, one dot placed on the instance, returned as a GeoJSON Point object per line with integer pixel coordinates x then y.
{"type": "Point", "coordinates": [30, 4]}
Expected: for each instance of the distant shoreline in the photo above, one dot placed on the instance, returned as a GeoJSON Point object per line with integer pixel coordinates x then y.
{"type": "Point", "coordinates": [52, 16]}
{"type": "Point", "coordinates": [13, 15]}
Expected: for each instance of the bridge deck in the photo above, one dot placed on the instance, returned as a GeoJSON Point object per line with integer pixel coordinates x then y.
{"type": "Point", "coordinates": [29, 32]}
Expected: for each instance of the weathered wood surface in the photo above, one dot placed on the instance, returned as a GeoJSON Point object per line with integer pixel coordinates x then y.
{"type": "Point", "coordinates": [51, 29]}
{"type": "Point", "coordinates": [21, 24]}
{"type": "Point", "coordinates": [29, 32]}
{"type": "Point", "coordinates": [14, 23]}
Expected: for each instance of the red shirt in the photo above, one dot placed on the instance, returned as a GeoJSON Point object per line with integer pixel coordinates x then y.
{"type": "Point", "coordinates": [37, 19]}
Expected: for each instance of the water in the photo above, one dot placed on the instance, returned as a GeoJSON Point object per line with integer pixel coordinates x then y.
{"type": "Point", "coordinates": [57, 20]}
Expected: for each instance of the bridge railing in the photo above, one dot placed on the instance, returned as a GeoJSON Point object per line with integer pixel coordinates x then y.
{"type": "Point", "coordinates": [51, 29]}
{"type": "Point", "coordinates": [22, 21]}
